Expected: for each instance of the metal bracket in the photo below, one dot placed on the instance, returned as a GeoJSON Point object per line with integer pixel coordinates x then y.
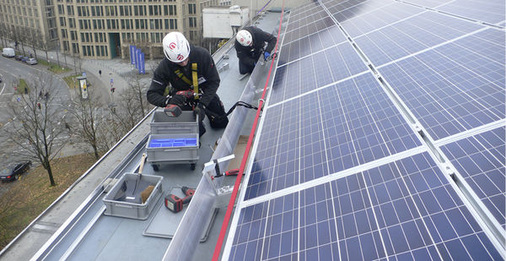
{"type": "Point", "coordinates": [212, 174]}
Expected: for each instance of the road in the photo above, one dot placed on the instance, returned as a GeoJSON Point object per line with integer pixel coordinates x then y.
{"type": "Point", "coordinates": [11, 71]}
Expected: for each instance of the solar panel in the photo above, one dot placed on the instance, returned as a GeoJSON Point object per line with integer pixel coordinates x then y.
{"type": "Point", "coordinates": [451, 89]}
{"type": "Point", "coordinates": [384, 16]}
{"type": "Point", "coordinates": [350, 159]}
{"type": "Point", "coordinates": [311, 44]}
{"type": "Point", "coordinates": [428, 3]}
{"type": "Point", "coordinates": [412, 35]}
{"type": "Point", "coordinates": [486, 11]}
{"type": "Point", "coordinates": [309, 28]}
{"type": "Point", "coordinates": [402, 210]}
{"type": "Point", "coordinates": [330, 65]}
{"type": "Point", "coordinates": [480, 160]}
{"type": "Point", "coordinates": [362, 127]}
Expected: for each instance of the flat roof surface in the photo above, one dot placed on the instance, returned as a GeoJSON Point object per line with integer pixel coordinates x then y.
{"type": "Point", "coordinates": [88, 233]}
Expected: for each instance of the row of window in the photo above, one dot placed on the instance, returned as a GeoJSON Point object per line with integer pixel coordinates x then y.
{"type": "Point", "coordinates": [117, 1]}
{"type": "Point", "coordinates": [136, 10]}
{"type": "Point", "coordinates": [93, 37]}
{"type": "Point", "coordinates": [95, 50]}
{"type": "Point", "coordinates": [19, 10]}
{"type": "Point", "coordinates": [21, 2]}
{"type": "Point", "coordinates": [142, 37]}
{"type": "Point", "coordinates": [128, 24]}
{"type": "Point", "coordinates": [22, 21]}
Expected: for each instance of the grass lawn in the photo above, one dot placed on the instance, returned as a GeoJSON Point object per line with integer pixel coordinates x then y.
{"type": "Point", "coordinates": [27, 197]}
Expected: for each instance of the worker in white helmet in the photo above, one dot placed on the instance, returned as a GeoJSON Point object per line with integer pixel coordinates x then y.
{"type": "Point", "coordinates": [193, 79]}
{"type": "Point", "coordinates": [250, 43]}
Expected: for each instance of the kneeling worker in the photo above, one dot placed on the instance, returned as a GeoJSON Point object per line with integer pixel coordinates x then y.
{"type": "Point", "coordinates": [250, 44]}
{"type": "Point", "coordinates": [191, 72]}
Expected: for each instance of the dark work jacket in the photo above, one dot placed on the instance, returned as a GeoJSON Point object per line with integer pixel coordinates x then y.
{"type": "Point", "coordinates": [249, 54]}
{"type": "Point", "coordinates": [165, 74]}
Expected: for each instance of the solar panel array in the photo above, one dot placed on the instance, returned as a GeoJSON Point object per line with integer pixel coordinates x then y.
{"type": "Point", "coordinates": [383, 136]}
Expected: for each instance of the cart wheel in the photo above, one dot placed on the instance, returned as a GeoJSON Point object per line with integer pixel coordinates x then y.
{"type": "Point", "coordinates": [155, 167]}
{"type": "Point", "coordinates": [192, 166]}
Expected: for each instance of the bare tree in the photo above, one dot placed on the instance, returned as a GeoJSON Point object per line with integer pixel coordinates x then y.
{"type": "Point", "coordinates": [114, 130]}
{"type": "Point", "coordinates": [32, 40]}
{"type": "Point", "coordinates": [137, 92]}
{"type": "Point", "coordinates": [35, 127]}
{"type": "Point", "coordinates": [46, 46]}
{"type": "Point", "coordinates": [78, 63]}
{"type": "Point", "coordinates": [91, 120]}
{"type": "Point", "coordinates": [4, 33]}
{"type": "Point", "coordinates": [128, 110]}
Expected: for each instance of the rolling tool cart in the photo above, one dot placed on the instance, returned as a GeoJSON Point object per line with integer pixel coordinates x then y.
{"type": "Point", "coordinates": [173, 140]}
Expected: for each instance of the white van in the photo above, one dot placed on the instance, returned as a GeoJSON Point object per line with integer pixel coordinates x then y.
{"type": "Point", "coordinates": [8, 52]}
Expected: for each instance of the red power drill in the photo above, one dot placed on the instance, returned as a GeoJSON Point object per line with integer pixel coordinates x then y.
{"type": "Point", "coordinates": [187, 93]}
{"type": "Point", "coordinates": [172, 110]}
{"type": "Point", "coordinates": [175, 204]}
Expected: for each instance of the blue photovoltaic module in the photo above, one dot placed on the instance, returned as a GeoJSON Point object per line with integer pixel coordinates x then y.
{"type": "Point", "coordinates": [382, 137]}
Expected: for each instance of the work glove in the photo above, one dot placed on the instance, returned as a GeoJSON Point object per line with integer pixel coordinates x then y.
{"type": "Point", "coordinates": [266, 55]}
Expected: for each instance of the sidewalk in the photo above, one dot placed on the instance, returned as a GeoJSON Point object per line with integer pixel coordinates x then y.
{"type": "Point", "coordinates": [115, 73]}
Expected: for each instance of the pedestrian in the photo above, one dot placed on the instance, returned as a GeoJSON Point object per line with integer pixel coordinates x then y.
{"type": "Point", "coordinates": [100, 73]}
{"type": "Point", "coordinates": [193, 78]}
{"type": "Point", "coordinates": [250, 43]}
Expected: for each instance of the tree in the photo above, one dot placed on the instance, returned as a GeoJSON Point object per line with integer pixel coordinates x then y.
{"type": "Point", "coordinates": [91, 121]}
{"type": "Point", "coordinates": [132, 104]}
{"type": "Point", "coordinates": [137, 93]}
{"type": "Point", "coordinates": [35, 127]}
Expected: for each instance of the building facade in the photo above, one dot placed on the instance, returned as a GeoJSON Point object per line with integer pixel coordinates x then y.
{"type": "Point", "coordinates": [101, 29]}
{"type": "Point", "coordinates": [28, 22]}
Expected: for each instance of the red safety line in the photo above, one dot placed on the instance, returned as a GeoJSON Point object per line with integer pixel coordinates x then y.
{"type": "Point", "coordinates": [224, 226]}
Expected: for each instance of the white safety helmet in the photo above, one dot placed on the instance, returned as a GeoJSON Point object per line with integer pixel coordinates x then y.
{"type": "Point", "coordinates": [176, 47]}
{"type": "Point", "coordinates": [244, 38]}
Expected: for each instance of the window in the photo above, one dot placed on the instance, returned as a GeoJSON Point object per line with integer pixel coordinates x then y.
{"type": "Point", "coordinates": [192, 9]}
{"type": "Point", "coordinates": [192, 22]}
{"type": "Point", "coordinates": [155, 23]}
{"type": "Point", "coordinates": [171, 24]}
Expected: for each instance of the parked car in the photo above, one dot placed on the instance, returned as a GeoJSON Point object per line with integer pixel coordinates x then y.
{"type": "Point", "coordinates": [31, 61]}
{"type": "Point", "coordinates": [12, 172]}
{"type": "Point", "coordinates": [24, 59]}
{"type": "Point", "coordinates": [19, 57]}
{"type": "Point", "coordinates": [8, 52]}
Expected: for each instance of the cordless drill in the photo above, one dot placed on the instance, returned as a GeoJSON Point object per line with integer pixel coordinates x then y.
{"type": "Point", "coordinates": [186, 93]}
{"type": "Point", "coordinates": [175, 203]}
{"type": "Point", "coordinates": [172, 110]}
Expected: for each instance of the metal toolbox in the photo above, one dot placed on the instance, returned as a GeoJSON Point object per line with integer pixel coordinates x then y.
{"type": "Point", "coordinates": [173, 149]}
{"type": "Point", "coordinates": [187, 122]}
{"type": "Point", "coordinates": [117, 204]}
